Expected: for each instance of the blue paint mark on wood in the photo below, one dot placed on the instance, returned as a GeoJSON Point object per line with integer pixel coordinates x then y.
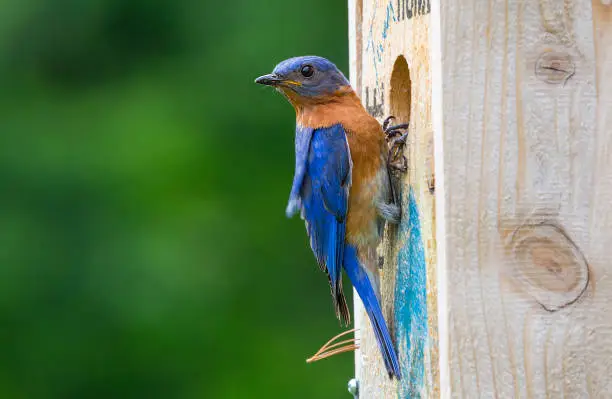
{"type": "Point", "coordinates": [371, 45]}
{"type": "Point", "coordinates": [390, 14]}
{"type": "Point", "coordinates": [376, 46]}
{"type": "Point", "coordinates": [406, 9]}
{"type": "Point", "coordinates": [411, 304]}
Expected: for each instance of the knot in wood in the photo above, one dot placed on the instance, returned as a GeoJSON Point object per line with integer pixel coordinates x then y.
{"type": "Point", "coordinates": [554, 67]}
{"type": "Point", "coordinates": [548, 265]}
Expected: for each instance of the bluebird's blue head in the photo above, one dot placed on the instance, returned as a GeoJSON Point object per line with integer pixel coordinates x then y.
{"type": "Point", "coordinates": [307, 77]}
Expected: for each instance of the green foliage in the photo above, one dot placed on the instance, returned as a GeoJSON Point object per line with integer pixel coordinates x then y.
{"type": "Point", "coordinates": [144, 251]}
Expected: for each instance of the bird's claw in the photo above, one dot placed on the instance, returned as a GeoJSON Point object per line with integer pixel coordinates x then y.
{"type": "Point", "coordinates": [393, 131]}
{"type": "Point", "coordinates": [386, 122]}
{"type": "Point", "coordinates": [395, 136]}
{"type": "Point", "coordinates": [401, 165]}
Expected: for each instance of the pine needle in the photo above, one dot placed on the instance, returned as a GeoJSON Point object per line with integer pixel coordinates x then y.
{"type": "Point", "coordinates": [330, 349]}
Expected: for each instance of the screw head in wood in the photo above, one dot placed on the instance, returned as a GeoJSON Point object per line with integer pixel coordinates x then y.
{"type": "Point", "coordinates": [353, 387]}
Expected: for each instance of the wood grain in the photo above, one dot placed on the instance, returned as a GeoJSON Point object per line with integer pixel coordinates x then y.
{"type": "Point", "coordinates": [523, 120]}
{"type": "Point", "coordinates": [392, 72]}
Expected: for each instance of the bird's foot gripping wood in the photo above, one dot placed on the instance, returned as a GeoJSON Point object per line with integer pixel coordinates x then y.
{"type": "Point", "coordinates": [396, 135]}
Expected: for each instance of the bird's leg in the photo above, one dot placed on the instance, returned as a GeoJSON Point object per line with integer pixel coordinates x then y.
{"type": "Point", "coordinates": [396, 139]}
{"type": "Point", "coordinates": [396, 161]}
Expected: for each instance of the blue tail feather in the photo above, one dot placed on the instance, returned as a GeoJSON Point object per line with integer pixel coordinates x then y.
{"type": "Point", "coordinates": [335, 251]}
{"type": "Point", "coordinates": [361, 282]}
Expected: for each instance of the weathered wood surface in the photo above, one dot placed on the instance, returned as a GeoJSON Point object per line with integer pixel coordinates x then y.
{"type": "Point", "coordinates": [390, 69]}
{"type": "Point", "coordinates": [520, 273]}
{"type": "Point", "coordinates": [523, 119]}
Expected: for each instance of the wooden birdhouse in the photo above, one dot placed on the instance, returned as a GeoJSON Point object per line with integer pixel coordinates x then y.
{"type": "Point", "coordinates": [498, 282]}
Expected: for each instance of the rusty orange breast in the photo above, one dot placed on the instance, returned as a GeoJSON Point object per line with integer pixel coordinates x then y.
{"type": "Point", "coordinates": [366, 149]}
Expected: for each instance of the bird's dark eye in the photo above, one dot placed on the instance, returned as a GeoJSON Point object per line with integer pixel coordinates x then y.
{"type": "Point", "coordinates": [307, 71]}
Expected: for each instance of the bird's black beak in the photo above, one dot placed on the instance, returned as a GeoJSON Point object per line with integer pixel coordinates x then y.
{"type": "Point", "coordinates": [269, 80]}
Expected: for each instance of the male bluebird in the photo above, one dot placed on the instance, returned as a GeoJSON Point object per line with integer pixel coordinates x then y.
{"type": "Point", "coordinates": [342, 185]}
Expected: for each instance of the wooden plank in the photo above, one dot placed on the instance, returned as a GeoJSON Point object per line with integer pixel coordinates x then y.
{"type": "Point", "coordinates": [523, 122]}
{"type": "Point", "coordinates": [392, 73]}
{"type": "Point", "coordinates": [355, 19]}
{"type": "Point", "coordinates": [600, 347]}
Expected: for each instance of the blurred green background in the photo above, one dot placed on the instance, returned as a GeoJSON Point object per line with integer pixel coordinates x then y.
{"type": "Point", "coordinates": [144, 248]}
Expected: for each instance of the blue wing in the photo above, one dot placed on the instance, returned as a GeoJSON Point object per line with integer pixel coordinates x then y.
{"type": "Point", "coordinates": [303, 136]}
{"type": "Point", "coordinates": [320, 189]}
